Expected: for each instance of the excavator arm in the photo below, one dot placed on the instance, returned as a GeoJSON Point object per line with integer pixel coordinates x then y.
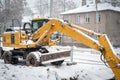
{"type": "Point", "coordinates": [58, 26]}
{"type": "Point", "coordinates": [79, 33]}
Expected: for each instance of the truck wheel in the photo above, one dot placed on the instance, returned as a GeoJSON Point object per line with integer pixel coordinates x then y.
{"type": "Point", "coordinates": [7, 56]}
{"type": "Point", "coordinates": [31, 60]}
{"type": "Point", "coordinates": [57, 62]}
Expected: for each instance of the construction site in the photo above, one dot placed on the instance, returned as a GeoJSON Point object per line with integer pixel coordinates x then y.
{"type": "Point", "coordinates": [52, 42]}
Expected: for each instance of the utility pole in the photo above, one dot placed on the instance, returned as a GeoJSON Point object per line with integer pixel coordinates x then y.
{"type": "Point", "coordinates": [62, 35]}
{"type": "Point", "coordinates": [51, 8]}
{"type": "Point", "coordinates": [71, 54]}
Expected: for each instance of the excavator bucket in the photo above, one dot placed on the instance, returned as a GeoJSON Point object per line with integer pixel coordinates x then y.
{"type": "Point", "coordinates": [54, 56]}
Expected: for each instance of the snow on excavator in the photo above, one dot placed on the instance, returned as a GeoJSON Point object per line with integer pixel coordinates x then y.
{"type": "Point", "coordinates": [32, 43]}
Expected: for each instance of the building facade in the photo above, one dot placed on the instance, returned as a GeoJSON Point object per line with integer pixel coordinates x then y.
{"type": "Point", "coordinates": [104, 20]}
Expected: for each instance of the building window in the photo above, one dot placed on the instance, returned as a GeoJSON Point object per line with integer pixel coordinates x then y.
{"type": "Point", "coordinates": [87, 19]}
{"type": "Point", "coordinates": [77, 19]}
{"type": "Point", "coordinates": [98, 18]}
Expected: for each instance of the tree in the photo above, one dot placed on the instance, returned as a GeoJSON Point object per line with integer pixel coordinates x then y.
{"type": "Point", "coordinates": [115, 3]}
{"type": "Point", "coordinates": [27, 10]}
{"type": "Point", "coordinates": [62, 6]}
{"type": "Point", "coordinates": [13, 9]}
{"type": "Point", "coordinates": [43, 7]}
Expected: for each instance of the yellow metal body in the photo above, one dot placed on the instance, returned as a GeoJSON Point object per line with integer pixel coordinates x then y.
{"type": "Point", "coordinates": [19, 39]}
{"type": "Point", "coordinates": [42, 36]}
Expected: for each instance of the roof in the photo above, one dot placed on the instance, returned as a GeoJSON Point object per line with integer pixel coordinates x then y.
{"type": "Point", "coordinates": [38, 18]}
{"type": "Point", "coordinates": [91, 8]}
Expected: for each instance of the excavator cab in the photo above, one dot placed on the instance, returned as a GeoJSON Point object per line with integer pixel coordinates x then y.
{"type": "Point", "coordinates": [38, 23]}
{"type": "Point", "coordinates": [34, 28]}
{"type": "Point", "coordinates": [35, 24]}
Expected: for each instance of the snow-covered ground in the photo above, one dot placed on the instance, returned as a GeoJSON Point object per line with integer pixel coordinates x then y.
{"type": "Point", "coordinates": [88, 67]}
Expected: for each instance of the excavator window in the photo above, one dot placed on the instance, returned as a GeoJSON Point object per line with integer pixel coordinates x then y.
{"type": "Point", "coordinates": [36, 24]}
{"type": "Point", "coordinates": [54, 36]}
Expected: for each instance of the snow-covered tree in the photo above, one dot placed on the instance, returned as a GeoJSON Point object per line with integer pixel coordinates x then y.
{"type": "Point", "coordinates": [12, 9]}
{"type": "Point", "coordinates": [61, 6]}
{"type": "Point", "coordinates": [113, 2]}
{"type": "Point", "coordinates": [43, 7]}
{"type": "Point", "coordinates": [27, 10]}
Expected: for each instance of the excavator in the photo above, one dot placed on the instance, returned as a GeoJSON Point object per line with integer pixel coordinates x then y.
{"type": "Point", "coordinates": [30, 43]}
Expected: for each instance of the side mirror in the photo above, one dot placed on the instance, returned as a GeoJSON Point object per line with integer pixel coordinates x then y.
{"type": "Point", "coordinates": [27, 27]}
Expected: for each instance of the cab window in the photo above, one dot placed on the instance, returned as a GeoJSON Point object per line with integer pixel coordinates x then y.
{"type": "Point", "coordinates": [38, 23]}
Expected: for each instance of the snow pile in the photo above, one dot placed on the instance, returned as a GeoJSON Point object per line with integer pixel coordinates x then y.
{"type": "Point", "coordinates": [11, 72]}
{"type": "Point", "coordinates": [79, 71]}
{"type": "Point", "coordinates": [88, 67]}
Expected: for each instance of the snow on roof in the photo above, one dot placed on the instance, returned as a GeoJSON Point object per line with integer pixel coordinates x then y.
{"type": "Point", "coordinates": [91, 8]}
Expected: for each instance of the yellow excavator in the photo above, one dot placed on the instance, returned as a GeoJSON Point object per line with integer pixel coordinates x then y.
{"type": "Point", "coordinates": [40, 35]}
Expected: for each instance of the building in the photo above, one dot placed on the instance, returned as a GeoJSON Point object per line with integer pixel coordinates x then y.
{"type": "Point", "coordinates": [103, 18]}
